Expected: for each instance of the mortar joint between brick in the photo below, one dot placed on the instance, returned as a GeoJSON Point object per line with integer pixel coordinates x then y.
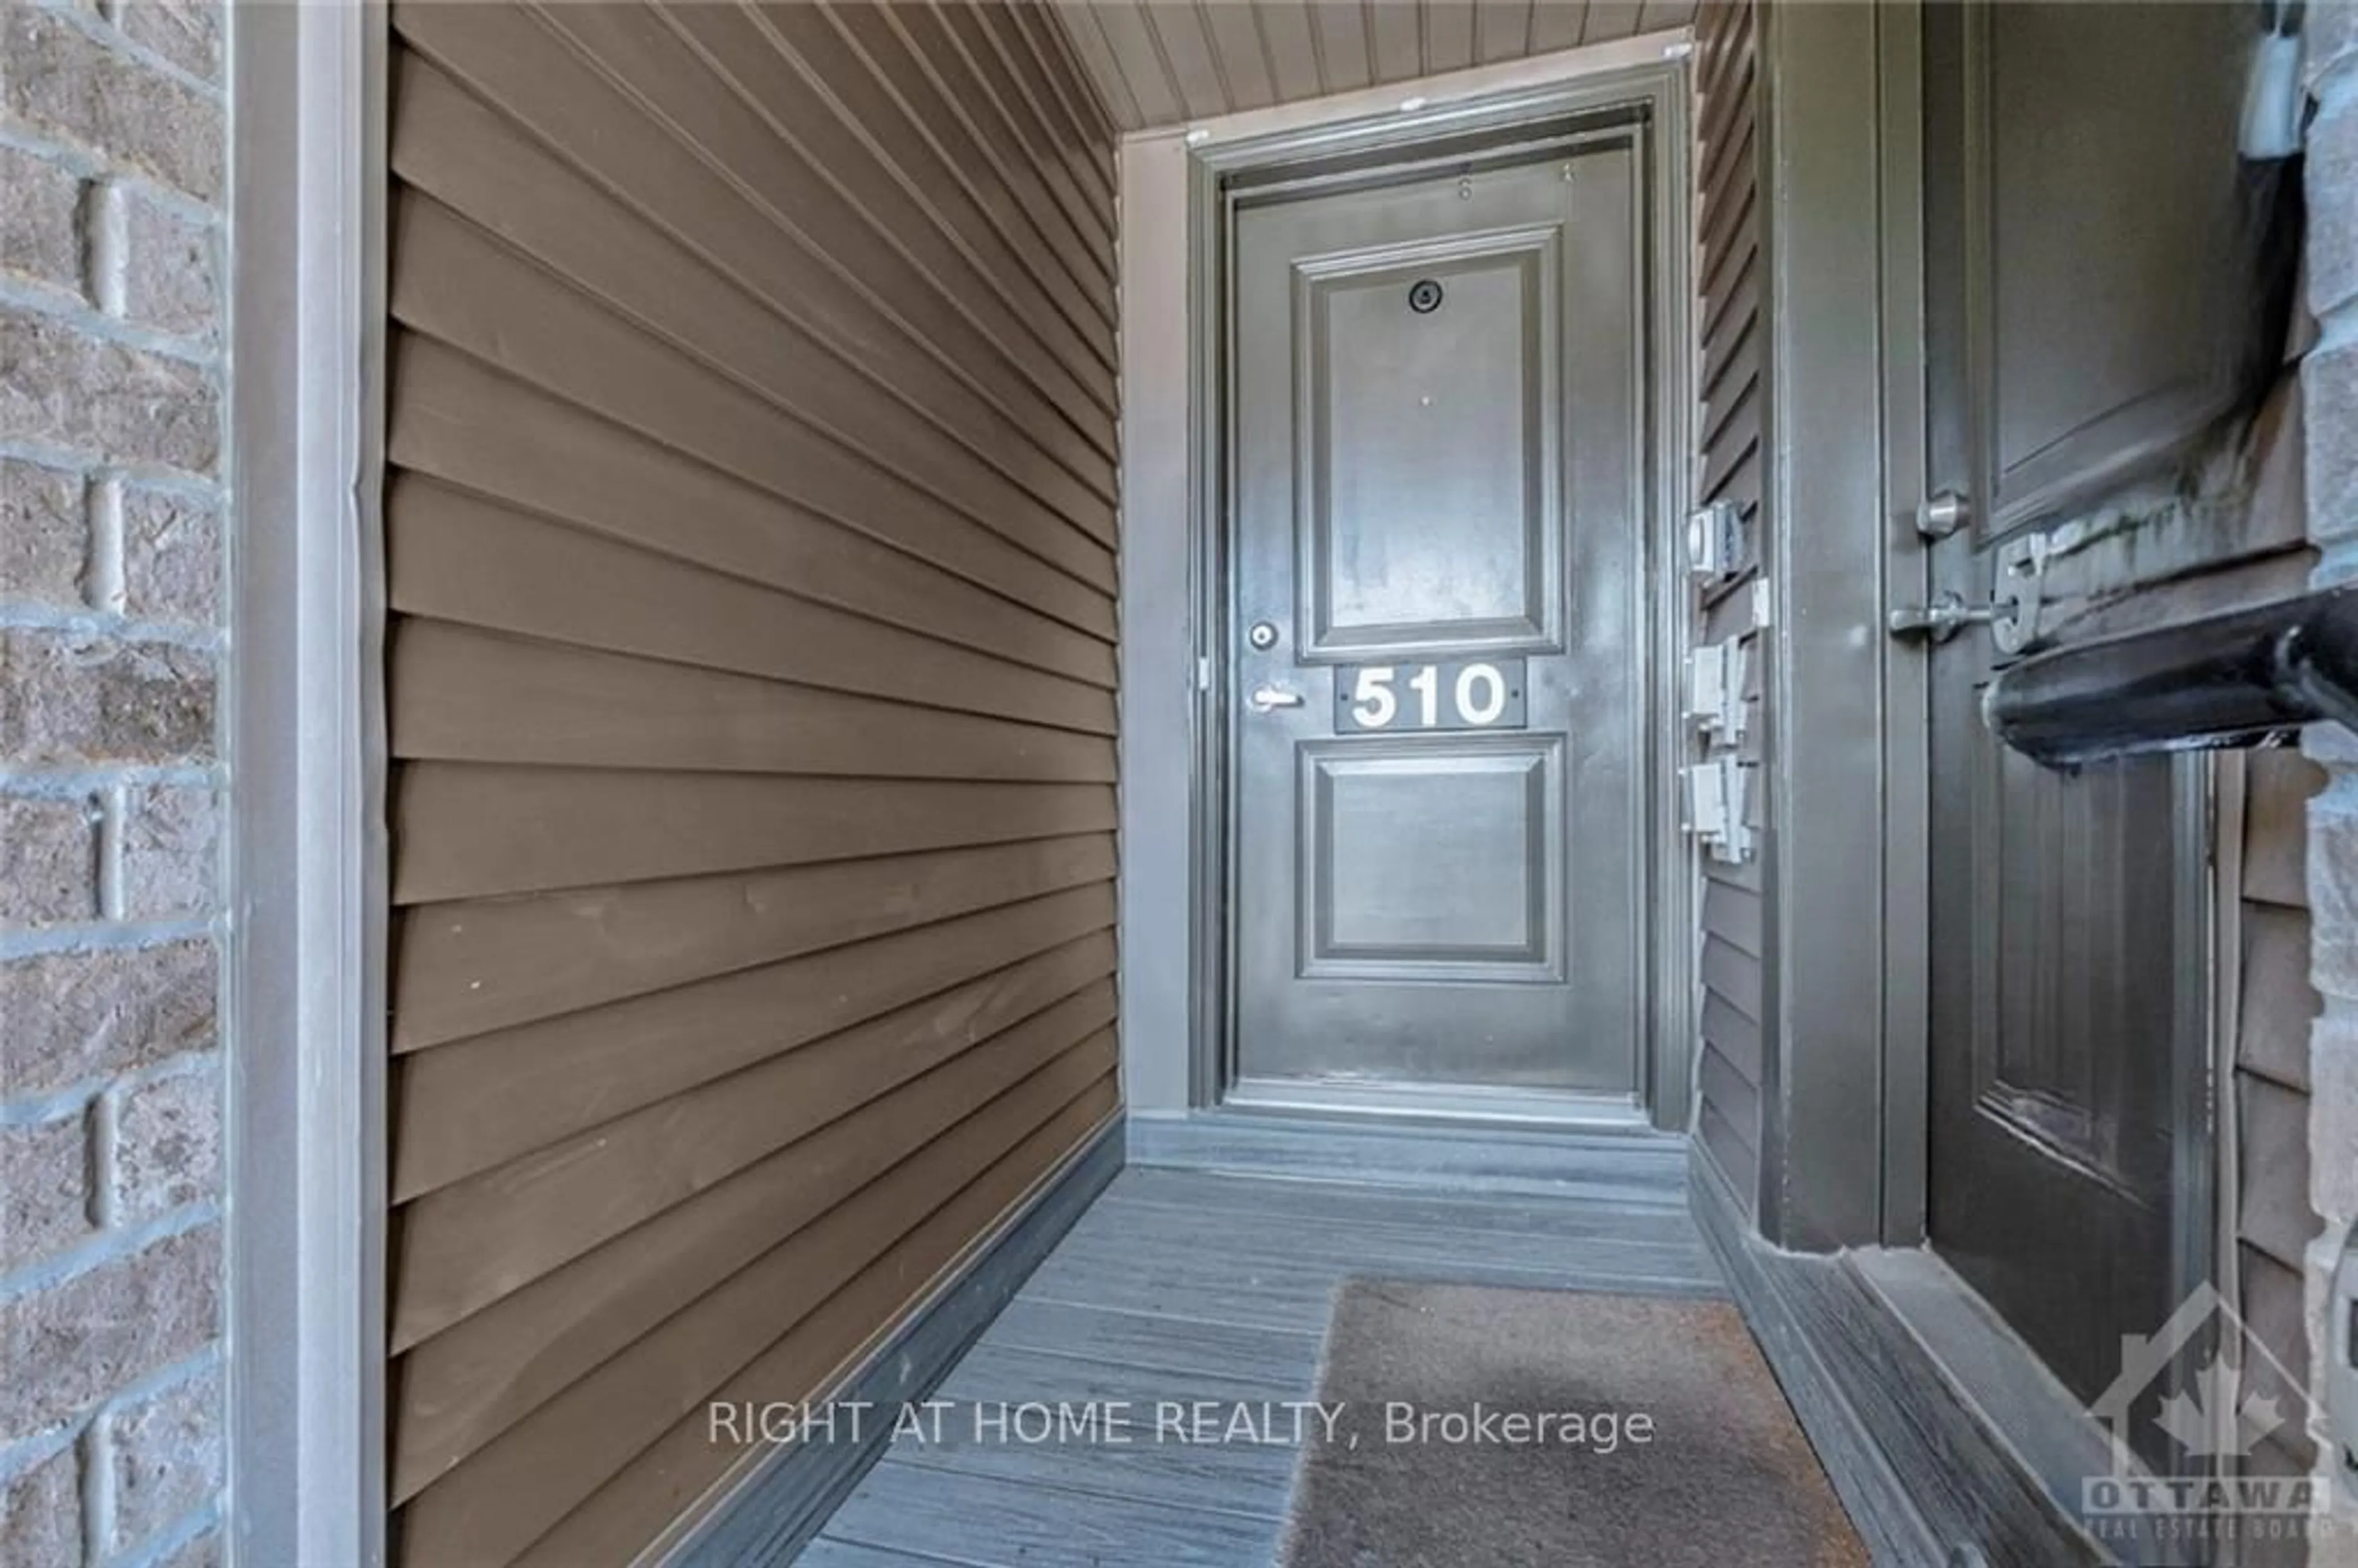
{"type": "Point", "coordinates": [105, 1116]}
{"type": "Point", "coordinates": [84, 317]}
{"type": "Point", "coordinates": [78, 782]}
{"type": "Point", "coordinates": [75, 1099]}
{"type": "Point", "coordinates": [88, 164]}
{"type": "Point", "coordinates": [166, 481]}
{"type": "Point", "coordinates": [52, 299]}
{"type": "Point", "coordinates": [166, 1544]}
{"type": "Point", "coordinates": [163, 1379]}
{"type": "Point", "coordinates": [29, 1452]}
{"type": "Point", "coordinates": [26, 1454]}
{"type": "Point", "coordinates": [106, 1247]}
{"type": "Point", "coordinates": [190, 209]}
{"type": "Point", "coordinates": [86, 1439]}
{"type": "Point", "coordinates": [79, 162]}
{"type": "Point", "coordinates": [105, 246]}
{"type": "Point", "coordinates": [186, 1065]}
{"type": "Point", "coordinates": [50, 1104]}
{"type": "Point", "coordinates": [76, 460]}
{"type": "Point", "coordinates": [114, 805]}
{"type": "Point", "coordinates": [104, 592]}
{"type": "Point", "coordinates": [103, 31]}
{"type": "Point", "coordinates": [97, 1452]}
{"type": "Point", "coordinates": [94, 623]}
{"type": "Point", "coordinates": [107, 937]}
{"type": "Point", "coordinates": [20, 1455]}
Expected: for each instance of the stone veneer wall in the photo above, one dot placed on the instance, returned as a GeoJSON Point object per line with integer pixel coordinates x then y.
{"type": "Point", "coordinates": [113, 167]}
{"type": "Point", "coordinates": [2330, 389]}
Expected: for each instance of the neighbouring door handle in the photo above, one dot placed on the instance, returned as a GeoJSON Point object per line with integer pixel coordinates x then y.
{"type": "Point", "coordinates": [1266, 697]}
{"type": "Point", "coordinates": [1944, 617]}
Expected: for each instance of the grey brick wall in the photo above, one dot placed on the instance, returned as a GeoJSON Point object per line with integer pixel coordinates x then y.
{"type": "Point", "coordinates": [111, 169]}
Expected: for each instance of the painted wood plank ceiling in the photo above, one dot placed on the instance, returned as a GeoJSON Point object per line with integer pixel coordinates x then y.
{"type": "Point", "coordinates": [1164, 62]}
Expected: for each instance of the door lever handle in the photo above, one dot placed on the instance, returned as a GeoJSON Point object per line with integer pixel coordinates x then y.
{"type": "Point", "coordinates": [1266, 697]}
{"type": "Point", "coordinates": [1944, 618]}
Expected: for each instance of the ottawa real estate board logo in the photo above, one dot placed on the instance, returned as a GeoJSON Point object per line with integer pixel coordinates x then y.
{"type": "Point", "coordinates": [2219, 1414]}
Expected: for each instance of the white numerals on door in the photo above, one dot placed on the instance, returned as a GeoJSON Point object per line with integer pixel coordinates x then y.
{"type": "Point", "coordinates": [1426, 684]}
{"type": "Point", "coordinates": [1481, 694]}
{"type": "Point", "coordinates": [1449, 695]}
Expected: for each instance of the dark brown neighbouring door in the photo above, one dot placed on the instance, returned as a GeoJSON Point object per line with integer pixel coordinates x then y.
{"type": "Point", "coordinates": [2069, 198]}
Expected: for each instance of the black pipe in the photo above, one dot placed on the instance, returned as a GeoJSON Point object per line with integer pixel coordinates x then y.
{"type": "Point", "coordinates": [2236, 679]}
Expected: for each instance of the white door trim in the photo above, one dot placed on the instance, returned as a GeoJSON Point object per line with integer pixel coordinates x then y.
{"type": "Point", "coordinates": [304, 1009]}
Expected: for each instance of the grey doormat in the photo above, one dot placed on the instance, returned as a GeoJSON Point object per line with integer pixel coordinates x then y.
{"type": "Point", "coordinates": [1665, 1440]}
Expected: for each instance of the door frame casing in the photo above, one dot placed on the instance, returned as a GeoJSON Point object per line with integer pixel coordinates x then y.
{"type": "Point", "coordinates": [306, 878]}
{"type": "Point", "coordinates": [1177, 1047]}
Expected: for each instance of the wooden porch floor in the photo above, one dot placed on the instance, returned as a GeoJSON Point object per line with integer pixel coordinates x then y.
{"type": "Point", "coordinates": [1183, 1285]}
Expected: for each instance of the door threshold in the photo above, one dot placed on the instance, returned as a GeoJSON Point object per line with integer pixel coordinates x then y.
{"type": "Point", "coordinates": [1995, 1377]}
{"type": "Point", "coordinates": [1442, 1104]}
{"type": "Point", "coordinates": [1917, 1468]}
{"type": "Point", "coordinates": [1631, 1162]}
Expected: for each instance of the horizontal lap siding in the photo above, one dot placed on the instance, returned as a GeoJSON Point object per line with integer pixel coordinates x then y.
{"type": "Point", "coordinates": [1732, 949]}
{"type": "Point", "coordinates": [751, 548]}
{"type": "Point", "coordinates": [2273, 1221]}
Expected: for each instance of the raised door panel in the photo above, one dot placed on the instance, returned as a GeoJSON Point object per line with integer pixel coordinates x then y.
{"type": "Point", "coordinates": [1408, 359]}
{"type": "Point", "coordinates": [1433, 858]}
{"type": "Point", "coordinates": [2101, 244]}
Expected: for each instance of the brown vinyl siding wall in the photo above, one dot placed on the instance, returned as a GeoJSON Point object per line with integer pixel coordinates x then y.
{"type": "Point", "coordinates": [1732, 340]}
{"type": "Point", "coordinates": [749, 514]}
{"type": "Point", "coordinates": [2275, 1007]}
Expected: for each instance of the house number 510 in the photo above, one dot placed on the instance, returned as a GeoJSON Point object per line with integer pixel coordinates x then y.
{"type": "Point", "coordinates": [1451, 695]}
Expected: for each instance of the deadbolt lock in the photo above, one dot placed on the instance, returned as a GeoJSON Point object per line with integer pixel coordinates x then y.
{"type": "Point", "coordinates": [1262, 636]}
{"type": "Point", "coordinates": [1942, 514]}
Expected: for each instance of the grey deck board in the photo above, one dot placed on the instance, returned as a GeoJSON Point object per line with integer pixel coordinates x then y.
{"type": "Point", "coordinates": [1235, 1477]}
{"type": "Point", "coordinates": [995, 1372]}
{"type": "Point", "coordinates": [1185, 1284]}
{"type": "Point", "coordinates": [989, 1522]}
{"type": "Point", "coordinates": [1154, 1343]}
{"type": "Point", "coordinates": [825, 1553]}
{"type": "Point", "coordinates": [1289, 1289]}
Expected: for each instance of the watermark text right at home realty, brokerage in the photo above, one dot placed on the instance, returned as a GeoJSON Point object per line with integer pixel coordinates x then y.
{"type": "Point", "coordinates": [1289, 1423]}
